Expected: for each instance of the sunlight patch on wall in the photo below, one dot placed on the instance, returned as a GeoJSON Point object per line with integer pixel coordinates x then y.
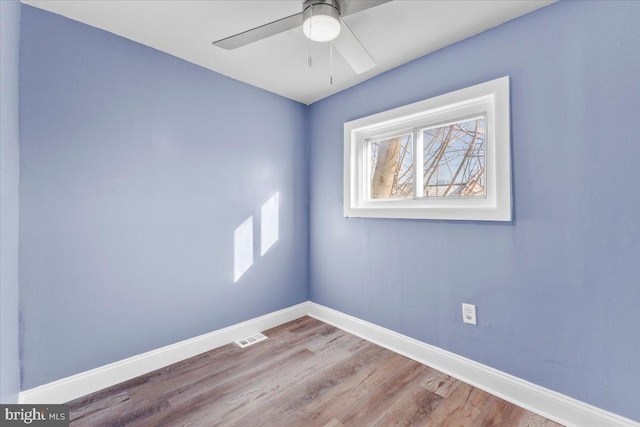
{"type": "Point", "coordinates": [243, 248]}
{"type": "Point", "coordinates": [269, 227]}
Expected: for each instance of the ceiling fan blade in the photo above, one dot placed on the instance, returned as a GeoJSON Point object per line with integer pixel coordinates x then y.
{"type": "Point", "coordinates": [348, 7]}
{"type": "Point", "coordinates": [261, 32]}
{"type": "Point", "coordinates": [352, 50]}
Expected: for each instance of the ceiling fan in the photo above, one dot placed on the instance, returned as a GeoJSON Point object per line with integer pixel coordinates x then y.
{"type": "Point", "coordinates": [321, 21]}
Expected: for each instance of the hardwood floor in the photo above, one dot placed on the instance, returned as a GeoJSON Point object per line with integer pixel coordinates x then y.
{"type": "Point", "coordinates": [307, 373]}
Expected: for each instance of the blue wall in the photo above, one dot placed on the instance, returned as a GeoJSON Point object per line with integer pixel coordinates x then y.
{"type": "Point", "coordinates": [557, 289]}
{"type": "Point", "coordinates": [136, 168]}
{"type": "Point", "coordinates": [9, 147]}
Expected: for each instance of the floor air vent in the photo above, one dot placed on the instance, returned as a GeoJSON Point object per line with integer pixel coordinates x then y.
{"type": "Point", "coordinates": [246, 342]}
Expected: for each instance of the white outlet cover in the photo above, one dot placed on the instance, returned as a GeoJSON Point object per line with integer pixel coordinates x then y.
{"type": "Point", "coordinates": [469, 314]}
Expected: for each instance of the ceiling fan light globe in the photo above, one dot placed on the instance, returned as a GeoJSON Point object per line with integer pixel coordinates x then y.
{"type": "Point", "coordinates": [321, 23]}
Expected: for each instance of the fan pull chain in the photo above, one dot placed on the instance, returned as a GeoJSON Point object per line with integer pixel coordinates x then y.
{"type": "Point", "coordinates": [310, 60]}
{"type": "Point", "coordinates": [331, 62]}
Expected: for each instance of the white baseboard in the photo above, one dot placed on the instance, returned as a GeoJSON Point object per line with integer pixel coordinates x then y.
{"type": "Point", "coordinates": [550, 404]}
{"type": "Point", "coordinates": [84, 383]}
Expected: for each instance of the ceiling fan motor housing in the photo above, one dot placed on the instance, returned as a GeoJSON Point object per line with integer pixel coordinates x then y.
{"type": "Point", "coordinates": [321, 19]}
{"type": "Point", "coordinates": [308, 3]}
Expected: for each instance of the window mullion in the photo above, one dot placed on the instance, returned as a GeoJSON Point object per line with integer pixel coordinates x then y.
{"type": "Point", "coordinates": [418, 147]}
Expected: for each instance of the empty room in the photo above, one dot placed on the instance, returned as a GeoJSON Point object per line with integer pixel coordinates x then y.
{"type": "Point", "coordinates": [320, 213]}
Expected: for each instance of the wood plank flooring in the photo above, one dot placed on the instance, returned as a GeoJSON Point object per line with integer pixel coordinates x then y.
{"type": "Point", "coordinates": [307, 373]}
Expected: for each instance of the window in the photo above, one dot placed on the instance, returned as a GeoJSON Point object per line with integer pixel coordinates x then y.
{"type": "Point", "coordinates": [447, 157]}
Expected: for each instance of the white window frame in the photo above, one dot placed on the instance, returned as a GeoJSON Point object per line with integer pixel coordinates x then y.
{"type": "Point", "coordinates": [491, 100]}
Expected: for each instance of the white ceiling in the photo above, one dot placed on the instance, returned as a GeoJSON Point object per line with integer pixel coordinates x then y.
{"type": "Point", "coordinates": [394, 33]}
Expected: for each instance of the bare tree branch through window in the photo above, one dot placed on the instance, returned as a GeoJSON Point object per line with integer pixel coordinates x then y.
{"type": "Point", "coordinates": [454, 159]}
{"type": "Point", "coordinates": [453, 162]}
{"type": "Point", "coordinates": [392, 167]}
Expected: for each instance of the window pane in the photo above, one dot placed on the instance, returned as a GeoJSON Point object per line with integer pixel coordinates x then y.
{"type": "Point", "coordinates": [454, 159]}
{"type": "Point", "coordinates": [391, 167]}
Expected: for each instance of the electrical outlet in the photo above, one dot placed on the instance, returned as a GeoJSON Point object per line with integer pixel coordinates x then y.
{"type": "Point", "coordinates": [469, 314]}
